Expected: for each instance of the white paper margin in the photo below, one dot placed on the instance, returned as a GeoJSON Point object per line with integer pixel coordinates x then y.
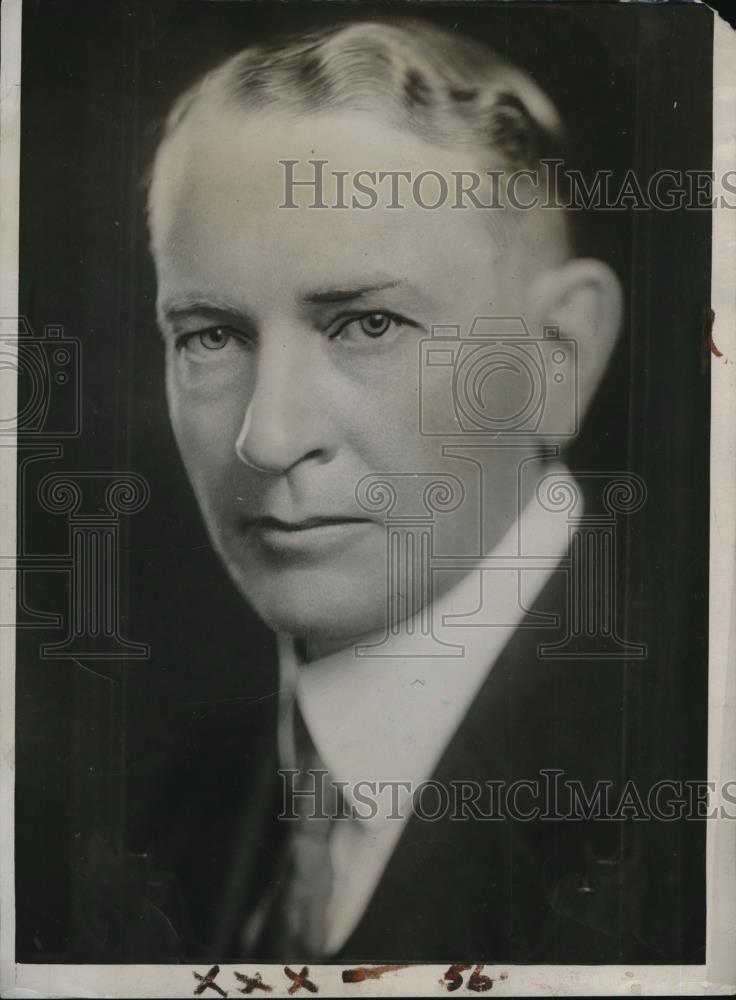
{"type": "Point", "coordinates": [10, 57]}
{"type": "Point", "coordinates": [718, 976]}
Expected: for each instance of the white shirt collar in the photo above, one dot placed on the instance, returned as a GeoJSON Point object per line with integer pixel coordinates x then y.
{"type": "Point", "coordinates": [389, 718]}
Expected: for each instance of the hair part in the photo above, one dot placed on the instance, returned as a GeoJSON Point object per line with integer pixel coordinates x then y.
{"type": "Point", "coordinates": [444, 87]}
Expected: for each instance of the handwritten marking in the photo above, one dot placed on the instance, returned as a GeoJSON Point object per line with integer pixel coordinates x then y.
{"type": "Point", "coordinates": [453, 979]}
{"type": "Point", "coordinates": [369, 972]}
{"type": "Point", "coordinates": [208, 981]}
{"type": "Point", "coordinates": [478, 982]}
{"type": "Point", "coordinates": [710, 318]}
{"type": "Point", "coordinates": [299, 980]}
{"type": "Point", "coordinates": [252, 983]}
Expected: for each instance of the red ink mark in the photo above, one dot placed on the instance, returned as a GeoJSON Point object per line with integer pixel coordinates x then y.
{"type": "Point", "coordinates": [369, 972]}
{"type": "Point", "coordinates": [252, 983]}
{"type": "Point", "coordinates": [299, 979]}
{"type": "Point", "coordinates": [453, 979]}
{"type": "Point", "coordinates": [710, 318]}
{"type": "Point", "coordinates": [478, 982]}
{"type": "Point", "coordinates": [208, 981]}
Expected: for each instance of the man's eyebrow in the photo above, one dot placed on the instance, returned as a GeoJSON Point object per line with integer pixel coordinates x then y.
{"type": "Point", "coordinates": [181, 304]}
{"type": "Point", "coordinates": [334, 295]}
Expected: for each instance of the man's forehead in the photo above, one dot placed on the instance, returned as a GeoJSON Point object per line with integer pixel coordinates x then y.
{"type": "Point", "coordinates": [254, 156]}
{"type": "Point", "coordinates": [234, 188]}
{"type": "Point", "coordinates": [224, 178]}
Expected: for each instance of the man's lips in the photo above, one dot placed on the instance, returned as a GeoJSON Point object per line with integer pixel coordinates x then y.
{"type": "Point", "coordinates": [309, 537]}
{"type": "Point", "coordinates": [306, 524]}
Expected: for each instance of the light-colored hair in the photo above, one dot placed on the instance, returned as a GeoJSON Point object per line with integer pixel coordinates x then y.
{"type": "Point", "coordinates": [443, 86]}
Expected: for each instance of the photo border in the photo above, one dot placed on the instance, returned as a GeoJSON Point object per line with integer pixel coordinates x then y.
{"type": "Point", "coordinates": [718, 975]}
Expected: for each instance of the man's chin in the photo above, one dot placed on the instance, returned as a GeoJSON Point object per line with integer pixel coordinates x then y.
{"type": "Point", "coordinates": [325, 614]}
{"type": "Point", "coordinates": [321, 631]}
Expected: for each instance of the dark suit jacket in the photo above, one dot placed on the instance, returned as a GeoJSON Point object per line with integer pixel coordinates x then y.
{"type": "Point", "coordinates": [504, 890]}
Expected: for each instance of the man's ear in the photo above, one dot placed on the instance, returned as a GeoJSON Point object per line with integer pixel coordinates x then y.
{"type": "Point", "coordinates": [583, 299]}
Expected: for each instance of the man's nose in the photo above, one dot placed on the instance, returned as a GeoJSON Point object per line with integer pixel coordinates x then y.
{"type": "Point", "coordinates": [286, 421]}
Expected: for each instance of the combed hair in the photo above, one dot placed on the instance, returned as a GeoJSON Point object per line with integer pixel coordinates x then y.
{"type": "Point", "coordinates": [446, 88]}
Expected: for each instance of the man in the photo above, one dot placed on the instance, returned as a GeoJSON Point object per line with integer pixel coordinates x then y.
{"type": "Point", "coordinates": [299, 328]}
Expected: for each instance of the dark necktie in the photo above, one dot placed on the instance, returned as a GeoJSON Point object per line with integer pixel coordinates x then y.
{"type": "Point", "coordinates": [309, 880]}
{"type": "Point", "coordinates": [290, 924]}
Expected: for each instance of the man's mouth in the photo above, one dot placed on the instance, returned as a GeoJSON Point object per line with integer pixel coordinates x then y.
{"type": "Point", "coordinates": [314, 535]}
{"type": "Point", "coordinates": [306, 524]}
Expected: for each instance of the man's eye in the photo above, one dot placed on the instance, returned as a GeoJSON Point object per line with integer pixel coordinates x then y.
{"type": "Point", "coordinates": [375, 324]}
{"type": "Point", "coordinates": [371, 325]}
{"type": "Point", "coordinates": [213, 339]}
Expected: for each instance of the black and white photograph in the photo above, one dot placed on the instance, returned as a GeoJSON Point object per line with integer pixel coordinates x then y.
{"type": "Point", "coordinates": [368, 407]}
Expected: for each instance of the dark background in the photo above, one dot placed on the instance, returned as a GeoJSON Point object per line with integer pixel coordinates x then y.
{"type": "Point", "coordinates": [94, 737]}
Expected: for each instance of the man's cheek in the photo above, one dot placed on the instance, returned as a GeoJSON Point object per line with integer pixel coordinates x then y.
{"type": "Point", "coordinates": [205, 454]}
{"type": "Point", "coordinates": [206, 428]}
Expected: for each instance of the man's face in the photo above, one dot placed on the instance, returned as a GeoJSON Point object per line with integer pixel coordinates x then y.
{"type": "Point", "coordinates": [293, 352]}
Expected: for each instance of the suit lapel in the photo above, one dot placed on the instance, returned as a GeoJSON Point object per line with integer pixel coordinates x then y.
{"type": "Point", "coordinates": [499, 889]}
